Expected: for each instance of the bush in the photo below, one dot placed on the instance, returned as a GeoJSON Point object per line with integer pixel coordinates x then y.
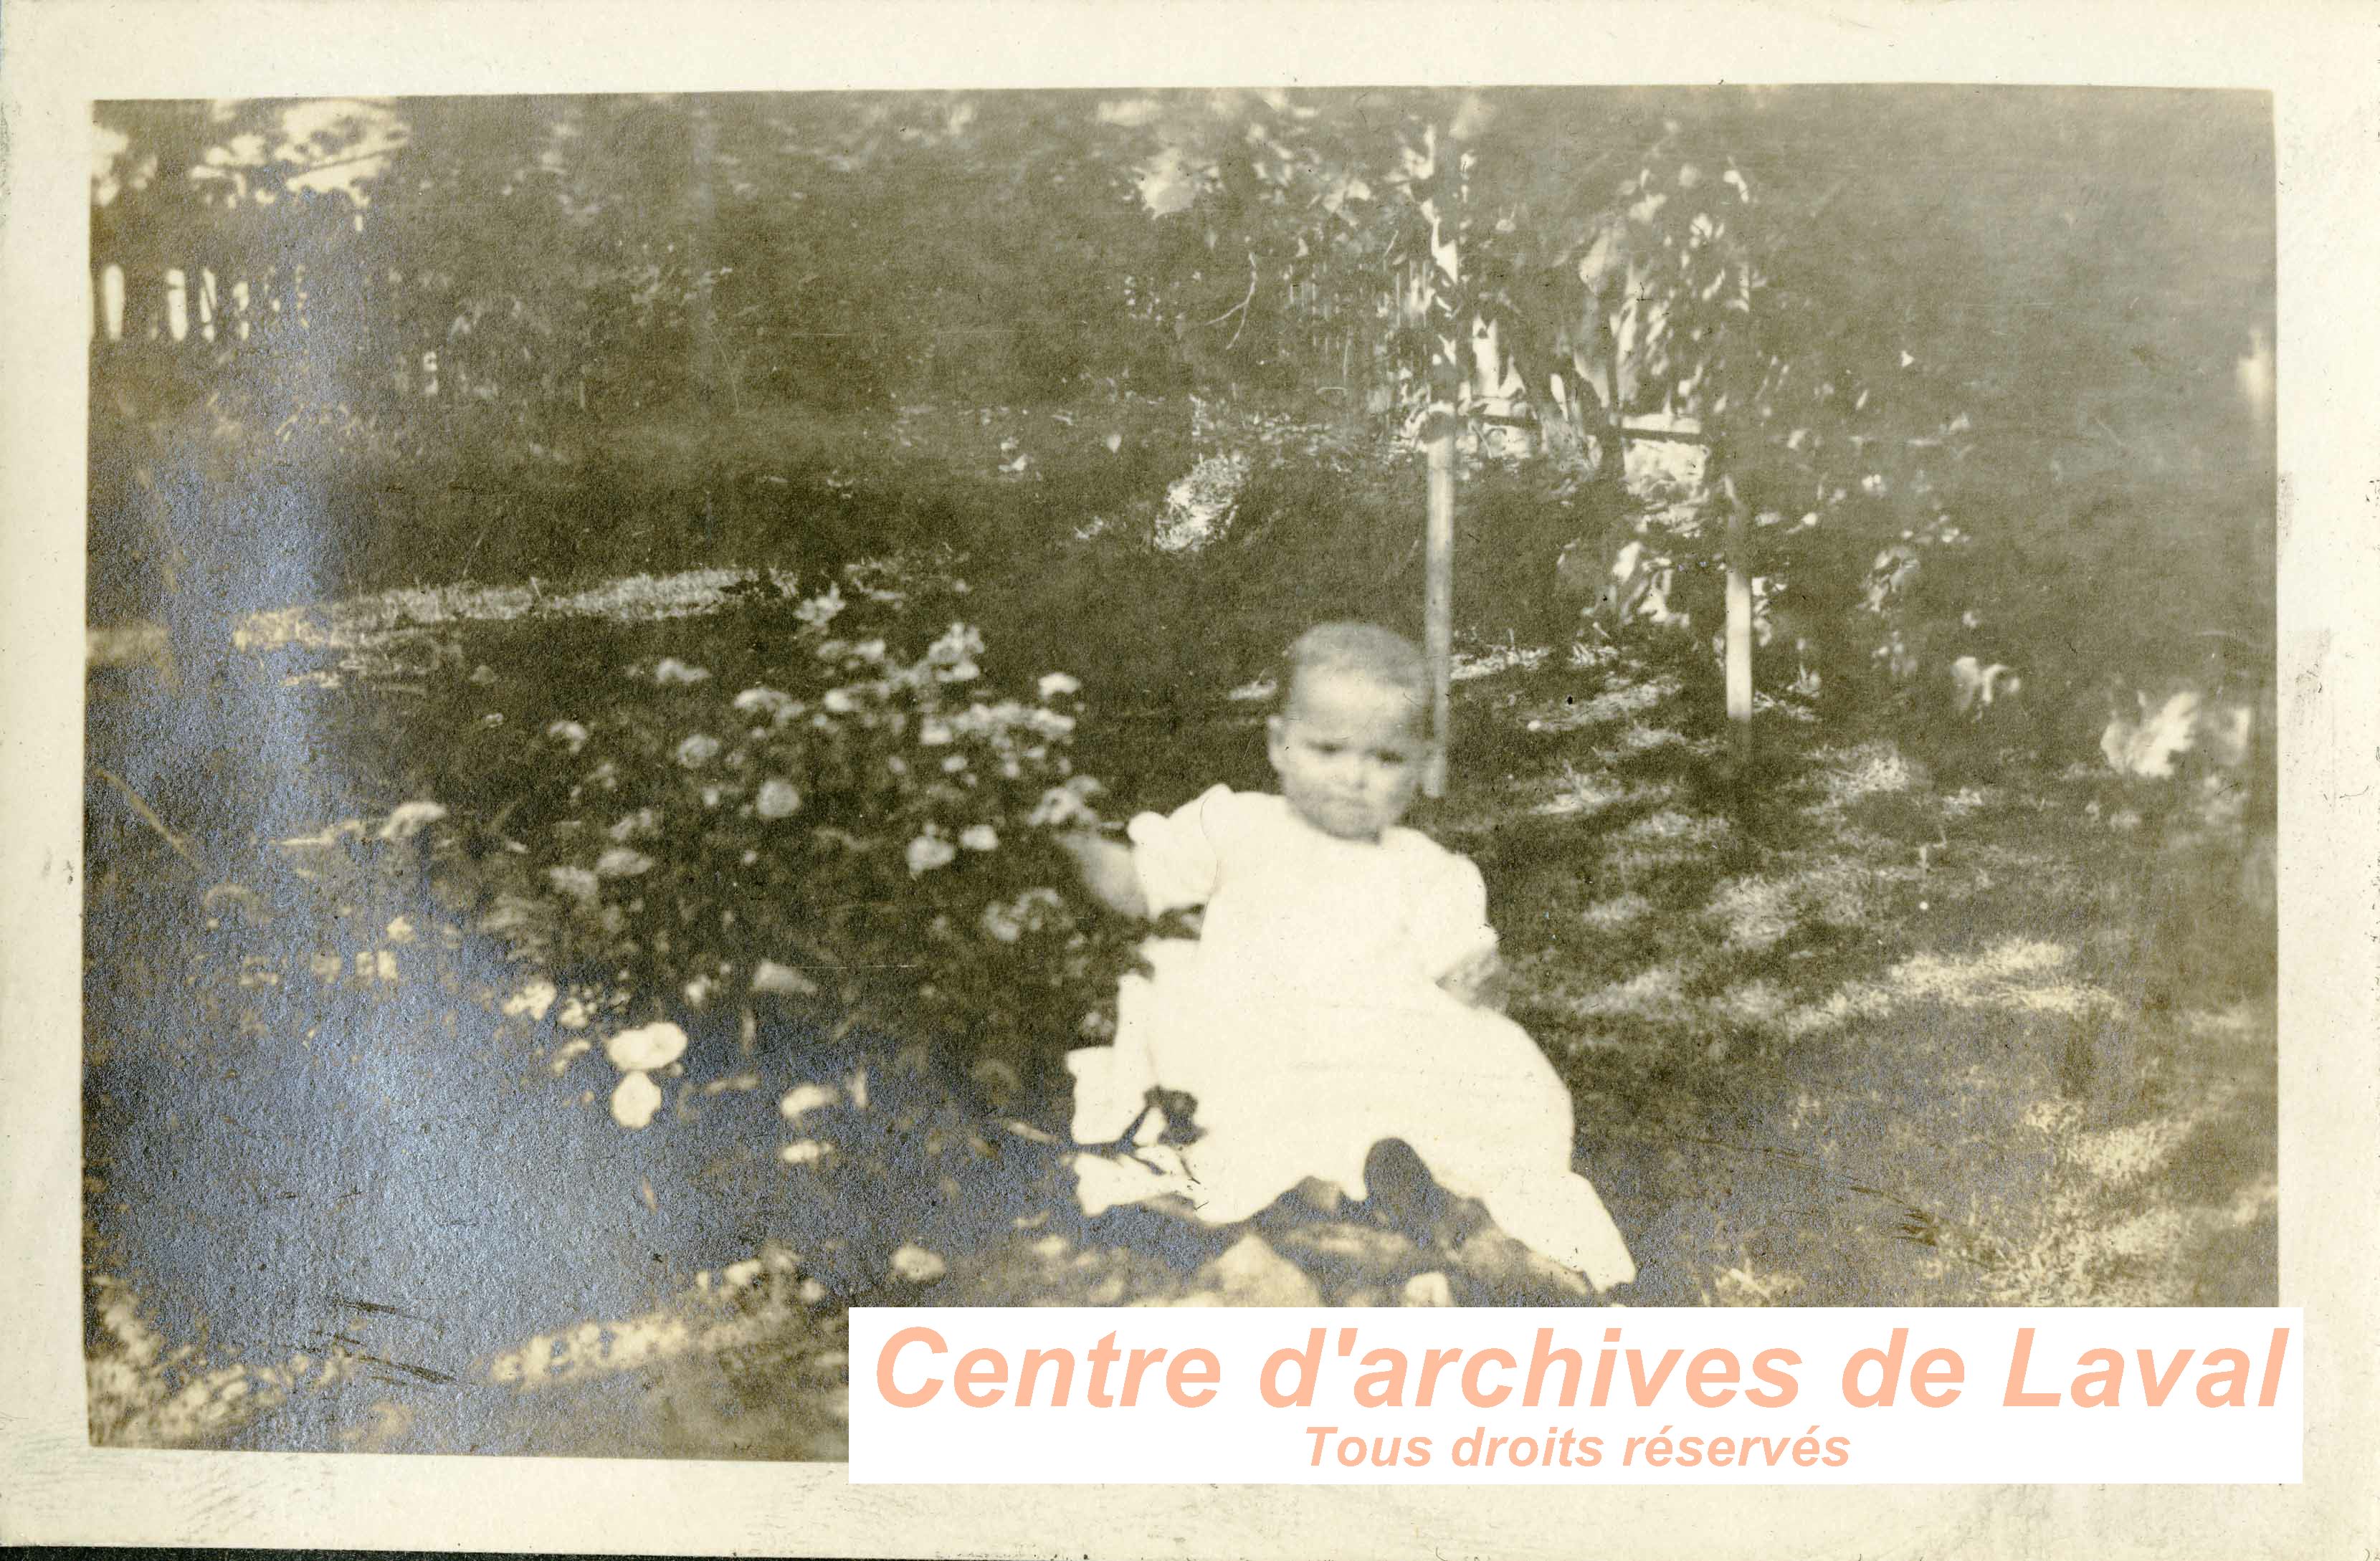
{"type": "Point", "coordinates": [140, 1393]}
{"type": "Point", "coordinates": [872, 843]}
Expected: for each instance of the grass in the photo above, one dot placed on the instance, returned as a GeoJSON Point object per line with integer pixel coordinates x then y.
{"type": "Point", "coordinates": [1884, 1042]}
{"type": "Point", "coordinates": [1844, 1035]}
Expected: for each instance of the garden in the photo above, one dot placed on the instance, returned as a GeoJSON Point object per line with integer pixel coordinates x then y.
{"type": "Point", "coordinates": [604, 611]}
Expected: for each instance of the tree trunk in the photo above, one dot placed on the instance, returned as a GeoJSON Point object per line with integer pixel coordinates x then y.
{"type": "Point", "coordinates": [702, 200]}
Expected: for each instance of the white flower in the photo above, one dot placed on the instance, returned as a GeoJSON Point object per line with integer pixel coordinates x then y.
{"type": "Point", "coordinates": [620, 862]}
{"type": "Point", "coordinates": [771, 702]}
{"type": "Point", "coordinates": [1000, 924]}
{"type": "Point", "coordinates": [1059, 805]}
{"type": "Point", "coordinates": [777, 799]}
{"type": "Point", "coordinates": [646, 1047]}
{"type": "Point", "coordinates": [929, 851]}
{"type": "Point", "coordinates": [634, 1103]}
{"type": "Point", "coordinates": [840, 701]}
{"type": "Point", "coordinates": [1035, 906]}
{"type": "Point", "coordinates": [576, 882]}
{"type": "Point", "coordinates": [783, 980]}
{"type": "Point", "coordinates": [569, 733]}
{"type": "Point", "coordinates": [803, 1152]}
{"type": "Point", "coordinates": [820, 610]}
{"type": "Point", "coordinates": [934, 732]}
{"type": "Point", "coordinates": [959, 643]}
{"type": "Point", "coordinates": [1055, 683]}
{"type": "Point", "coordinates": [803, 1099]}
{"type": "Point", "coordinates": [410, 819]}
{"type": "Point", "coordinates": [981, 837]}
{"type": "Point", "coordinates": [533, 999]}
{"type": "Point", "coordinates": [699, 749]}
{"type": "Point", "coordinates": [918, 1265]}
{"type": "Point", "coordinates": [671, 670]}
{"type": "Point", "coordinates": [644, 821]}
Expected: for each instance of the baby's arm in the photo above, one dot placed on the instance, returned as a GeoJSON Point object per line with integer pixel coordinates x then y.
{"type": "Point", "coordinates": [1452, 934]}
{"type": "Point", "coordinates": [1109, 871]}
{"type": "Point", "coordinates": [1170, 863]}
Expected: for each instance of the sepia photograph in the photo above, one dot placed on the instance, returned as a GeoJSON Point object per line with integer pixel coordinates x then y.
{"type": "Point", "coordinates": [708, 708]}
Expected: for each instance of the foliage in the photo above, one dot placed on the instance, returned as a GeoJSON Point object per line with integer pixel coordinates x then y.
{"type": "Point", "coordinates": [750, 1364]}
{"type": "Point", "coordinates": [143, 1395]}
{"type": "Point", "coordinates": [877, 845]}
{"type": "Point", "coordinates": [2030, 387]}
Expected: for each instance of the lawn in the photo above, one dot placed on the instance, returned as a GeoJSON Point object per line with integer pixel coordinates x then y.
{"type": "Point", "coordinates": [1873, 1028]}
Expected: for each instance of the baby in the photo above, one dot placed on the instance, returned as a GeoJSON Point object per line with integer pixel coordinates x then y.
{"type": "Point", "coordinates": [1341, 988]}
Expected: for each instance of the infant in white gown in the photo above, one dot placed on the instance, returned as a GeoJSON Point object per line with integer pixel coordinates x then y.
{"type": "Point", "coordinates": [1307, 1021]}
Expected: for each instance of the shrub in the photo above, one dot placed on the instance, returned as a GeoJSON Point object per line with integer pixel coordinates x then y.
{"type": "Point", "coordinates": [140, 1393]}
{"type": "Point", "coordinates": [870, 840]}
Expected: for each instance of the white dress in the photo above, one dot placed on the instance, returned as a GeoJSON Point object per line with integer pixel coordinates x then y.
{"type": "Point", "coordinates": [1308, 1024]}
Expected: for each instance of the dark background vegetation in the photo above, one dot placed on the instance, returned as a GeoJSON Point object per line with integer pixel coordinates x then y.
{"type": "Point", "coordinates": [671, 333]}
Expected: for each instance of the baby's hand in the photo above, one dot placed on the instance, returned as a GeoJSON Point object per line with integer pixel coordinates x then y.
{"type": "Point", "coordinates": [1108, 871]}
{"type": "Point", "coordinates": [1481, 981]}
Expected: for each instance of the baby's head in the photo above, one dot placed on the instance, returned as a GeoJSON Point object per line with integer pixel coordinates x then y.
{"type": "Point", "coordinates": [1353, 731]}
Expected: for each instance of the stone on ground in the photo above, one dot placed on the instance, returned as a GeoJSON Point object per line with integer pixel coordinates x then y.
{"type": "Point", "coordinates": [1428, 1289]}
{"type": "Point", "coordinates": [1251, 1274]}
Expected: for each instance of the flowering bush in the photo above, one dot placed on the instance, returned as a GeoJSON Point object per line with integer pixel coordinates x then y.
{"type": "Point", "coordinates": [873, 843]}
{"type": "Point", "coordinates": [142, 1394]}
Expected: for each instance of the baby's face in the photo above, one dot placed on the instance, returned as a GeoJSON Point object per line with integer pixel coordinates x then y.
{"type": "Point", "coordinates": [1349, 750]}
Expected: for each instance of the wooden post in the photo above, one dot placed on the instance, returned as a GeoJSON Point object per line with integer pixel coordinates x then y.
{"type": "Point", "coordinates": [1738, 624]}
{"type": "Point", "coordinates": [1437, 591]}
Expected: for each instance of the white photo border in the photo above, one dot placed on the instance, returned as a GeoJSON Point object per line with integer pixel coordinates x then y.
{"type": "Point", "coordinates": [2318, 61]}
